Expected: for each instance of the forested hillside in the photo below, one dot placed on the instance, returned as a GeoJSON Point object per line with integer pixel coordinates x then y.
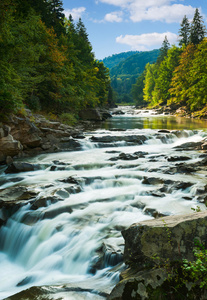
{"type": "Point", "coordinates": [179, 75]}
{"type": "Point", "coordinates": [124, 75]}
{"type": "Point", "coordinates": [115, 59]}
{"type": "Point", "coordinates": [47, 63]}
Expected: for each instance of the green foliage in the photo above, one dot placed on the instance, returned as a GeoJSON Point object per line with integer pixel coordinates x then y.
{"type": "Point", "coordinates": [68, 119]}
{"type": "Point", "coordinates": [180, 74]}
{"type": "Point", "coordinates": [46, 61]}
{"type": "Point", "coordinates": [115, 59]}
{"type": "Point", "coordinates": [165, 72]}
{"type": "Point", "coordinates": [149, 83]}
{"type": "Point", "coordinates": [184, 32]}
{"type": "Point", "coordinates": [137, 90]}
{"type": "Point", "coordinates": [197, 30]}
{"type": "Point", "coordinates": [183, 274]}
{"type": "Point", "coordinates": [163, 50]}
{"type": "Point", "coordinates": [188, 85]}
{"type": "Point", "coordinates": [124, 75]}
{"type": "Point", "coordinates": [196, 270]}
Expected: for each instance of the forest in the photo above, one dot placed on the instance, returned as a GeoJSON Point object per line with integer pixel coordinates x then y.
{"type": "Point", "coordinates": [47, 62]}
{"type": "Point", "coordinates": [178, 77]}
{"type": "Point", "coordinates": [124, 69]}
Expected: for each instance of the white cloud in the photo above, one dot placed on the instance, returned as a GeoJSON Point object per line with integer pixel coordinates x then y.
{"type": "Point", "coordinates": [75, 12]}
{"type": "Point", "coordinates": [153, 10]}
{"type": "Point", "coordinates": [147, 41]}
{"type": "Point", "coordinates": [115, 16]}
{"type": "Point", "coordinates": [166, 13]}
{"type": "Point", "coordinates": [116, 2]}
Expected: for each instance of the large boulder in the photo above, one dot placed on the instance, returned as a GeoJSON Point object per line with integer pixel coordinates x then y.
{"type": "Point", "coordinates": [9, 146]}
{"type": "Point", "coordinates": [154, 252]}
{"type": "Point", "coordinates": [25, 131]}
{"type": "Point", "coordinates": [91, 114]}
{"type": "Point", "coordinates": [169, 238]}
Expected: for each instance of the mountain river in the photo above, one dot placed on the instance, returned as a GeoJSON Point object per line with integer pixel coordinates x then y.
{"type": "Point", "coordinates": [69, 234]}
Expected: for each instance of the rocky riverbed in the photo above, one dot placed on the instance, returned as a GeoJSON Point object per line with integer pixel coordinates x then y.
{"type": "Point", "coordinates": [62, 213]}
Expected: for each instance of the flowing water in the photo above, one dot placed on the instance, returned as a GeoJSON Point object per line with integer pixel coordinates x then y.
{"type": "Point", "coordinates": [70, 232]}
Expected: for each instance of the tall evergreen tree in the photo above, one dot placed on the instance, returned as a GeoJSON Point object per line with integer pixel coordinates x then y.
{"type": "Point", "coordinates": [163, 50]}
{"type": "Point", "coordinates": [198, 30]}
{"type": "Point", "coordinates": [184, 32]}
{"type": "Point", "coordinates": [85, 54]}
{"type": "Point", "coordinates": [56, 16]}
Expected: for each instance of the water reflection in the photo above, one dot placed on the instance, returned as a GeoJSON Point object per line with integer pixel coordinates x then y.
{"type": "Point", "coordinates": [154, 122]}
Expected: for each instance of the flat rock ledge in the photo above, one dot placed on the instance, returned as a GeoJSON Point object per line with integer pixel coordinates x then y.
{"type": "Point", "coordinates": [154, 252]}
{"type": "Point", "coordinates": [33, 134]}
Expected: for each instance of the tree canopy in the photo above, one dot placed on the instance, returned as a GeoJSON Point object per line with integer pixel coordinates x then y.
{"type": "Point", "coordinates": [180, 74]}
{"type": "Point", "coordinates": [47, 61]}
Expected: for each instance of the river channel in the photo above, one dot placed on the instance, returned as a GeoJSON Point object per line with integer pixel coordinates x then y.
{"type": "Point", "coordinates": [69, 234]}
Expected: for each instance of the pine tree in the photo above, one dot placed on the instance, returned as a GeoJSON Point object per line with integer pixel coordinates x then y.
{"type": "Point", "coordinates": [197, 30]}
{"type": "Point", "coordinates": [85, 55]}
{"type": "Point", "coordinates": [184, 32]}
{"type": "Point", "coordinates": [56, 16]}
{"type": "Point", "coordinates": [163, 50]}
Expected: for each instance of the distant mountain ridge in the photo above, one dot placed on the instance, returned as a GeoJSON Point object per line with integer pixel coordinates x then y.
{"type": "Point", "coordinates": [125, 68]}
{"type": "Point", "coordinates": [135, 64]}
{"type": "Point", "coordinates": [115, 59]}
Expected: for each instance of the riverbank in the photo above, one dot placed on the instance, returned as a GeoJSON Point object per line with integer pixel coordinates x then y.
{"type": "Point", "coordinates": [33, 134]}
{"type": "Point", "coordinates": [181, 111]}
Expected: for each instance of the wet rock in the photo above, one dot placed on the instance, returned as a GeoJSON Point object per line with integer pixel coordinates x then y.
{"type": "Point", "coordinates": [138, 205]}
{"type": "Point", "coordinates": [157, 194]}
{"type": "Point", "coordinates": [16, 194]}
{"type": "Point", "coordinates": [17, 167]}
{"type": "Point", "coordinates": [112, 151]}
{"type": "Point", "coordinates": [11, 199]}
{"type": "Point", "coordinates": [178, 158]}
{"type": "Point", "coordinates": [107, 255]}
{"type": "Point", "coordinates": [57, 168]}
{"type": "Point", "coordinates": [164, 131]}
{"type": "Point", "coordinates": [62, 193]}
{"type": "Point", "coordinates": [69, 291]}
{"type": "Point", "coordinates": [184, 168]}
{"type": "Point", "coordinates": [52, 213]}
{"type": "Point", "coordinates": [203, 162]}
{"type": "Point", "coordinates": [189, 146]}
{"type": "Point", "coordinates": [140, 154]}
{"type": "Point", "coordinates": [124, 156]}
{"type": "Point", "coordinates": [74, 189]}
{"type": "Point", "coordinates": [25, 281]}
{"type": "Point", "coordinates": [153, 212]}
{"type": "Point", "coordinates": [78, 136]}
{"type": "Point", "coordinates": [152, 180]}
{"type": "Point", "coordinates": [59, 163]}
{"type": "Point", "coordinates": [72, 180]}
{"type": "Point", "coordinates": [204, 146]}
{"type": "Point", "coordinates": [180, 133]}
{"type": "Point", "coordinates": [118, 112]}
{"type": "Point", "coordinates": [45, 202]}
{"type": "Point", "coordinates": [181, 168]}
{"type": "Point", "coordinates": [136, 139]}
{"type": "Point", "coordinates": [69, 144]}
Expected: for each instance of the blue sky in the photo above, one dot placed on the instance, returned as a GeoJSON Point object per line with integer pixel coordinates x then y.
{"type": "Point", "coordinates": [116, 26]}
